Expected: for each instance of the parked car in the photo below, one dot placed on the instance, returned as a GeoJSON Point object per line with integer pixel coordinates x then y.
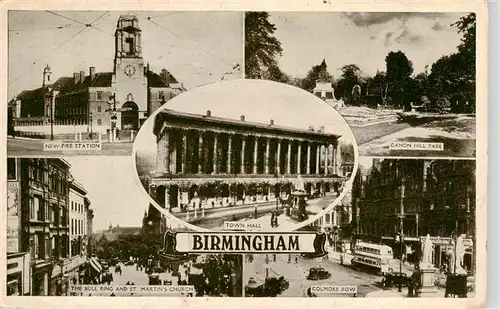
{"type": "Point", "coordinates": [318, 273]}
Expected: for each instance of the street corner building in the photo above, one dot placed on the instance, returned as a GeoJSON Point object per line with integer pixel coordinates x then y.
{"type": "Point", "coordinates": [205, 163]}
{"type": "Point", "coordinates": [49, 226]}
{"type": "Point", "coordinates": [416, 198]}
{"type": "Point", "coordinates": [96, 102]}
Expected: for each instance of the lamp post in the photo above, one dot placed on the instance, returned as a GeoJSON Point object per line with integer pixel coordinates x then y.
{"type": "Point", "coordinates": [112, 100]}
{"type": "Point", "coordinates": [90, 116]}
{"type": "Point", "coordinates": [399, 237]}
{"type": "Point", "coordinates": [454, 237]}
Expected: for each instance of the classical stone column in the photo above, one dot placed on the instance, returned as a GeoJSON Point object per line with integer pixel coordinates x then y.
{"type": "Point", "coordinates": [338, 155]}
{"type": "Point", "coordinates": [278, 156]}
{"type": "Point", "coordinates": [318, 152]}
{"type": "Point", "coordinates": [166, 136]}
{"type": "Point", "coordinates": [266, 159]}
{"type": "Point", "coordinates": [184, 152]}
{"type": "Point", "coordinates": [299, 150]}
{"type": "Point", "coordinates": [200, 152]}
{"type": "Point", "coordinates": [229, 150]}
{"type": "Point", "coordinates": [167, 199]}
{"type": "Point", "coordinates": [326, 159]}
{"type": "Point", "coordinates": [173, 155]}
{"type": "Point", "coordinates": [289, 158]}
{"type": "Point", "coordinates": [243, 142]}
{"type": "Point", "coordinates": [308, 166]}
{"type": "Point", "coordinates": [215, 152]}
{"type": "Point", "coordinates": [255, 153]}
{"type": "Point", "coordinates": [160, 155]}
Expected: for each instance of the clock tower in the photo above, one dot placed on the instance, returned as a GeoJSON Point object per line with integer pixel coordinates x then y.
{"type": "Point", "coordinates": [129, 80]}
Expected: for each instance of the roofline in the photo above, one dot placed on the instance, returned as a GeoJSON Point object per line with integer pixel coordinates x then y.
{"type": "Point", "coordinates": [78, 187]}
{"type": "Point", "coordinates": [243, 123]}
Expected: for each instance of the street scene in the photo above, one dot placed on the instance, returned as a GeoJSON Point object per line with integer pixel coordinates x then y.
{"type": "Point", "coordinates": [235, 156]}
{"type": "Point", "coordinates": [68, 228]}
{"type": "Point", "coordinates": [404, 95]}
{"type": "Point", "coordinates": [406, 228]}
{"type": "Point", "coordinates": [76, 94]}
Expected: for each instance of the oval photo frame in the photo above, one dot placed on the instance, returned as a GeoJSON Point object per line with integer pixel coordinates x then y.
{"type": "Point", "coordinates": [231, 118]}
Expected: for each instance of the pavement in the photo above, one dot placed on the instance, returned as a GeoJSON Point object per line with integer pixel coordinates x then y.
{"type": "Point", "coordinates": [216, 219]}
{"type": "Point", "coordinates": [22, 146]}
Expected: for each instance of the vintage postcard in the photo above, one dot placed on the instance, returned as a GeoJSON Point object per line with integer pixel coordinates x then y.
{"type": "Point", "coordinates": [244, 154]}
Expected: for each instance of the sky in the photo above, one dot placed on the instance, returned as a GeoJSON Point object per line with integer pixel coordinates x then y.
{"type": "Point", "coordinates": [364, 39]}
{"type": "Point", "coordinates": [196, 47]}
{"type": "Point", "coordinates": [115, 195]}
{"type": "Point", "coordinates": [291, 107]}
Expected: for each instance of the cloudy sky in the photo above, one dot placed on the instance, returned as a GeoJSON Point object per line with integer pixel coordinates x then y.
{"type": "Point", "coordinates": [196, 47]}
{"type": "Point", "coordinates": [291, 107]}
{"type": "Point", "coordinates": [115, 195]}
{"type": "Point", "coordinates": [364, 39]}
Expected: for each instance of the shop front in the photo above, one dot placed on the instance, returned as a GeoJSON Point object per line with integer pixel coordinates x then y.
{"type": "Point", "coordinates": [18, 274]}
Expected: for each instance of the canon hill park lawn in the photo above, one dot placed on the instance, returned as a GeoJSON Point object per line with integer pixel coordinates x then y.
{"type": "Point", "coordinates": [374, 130]}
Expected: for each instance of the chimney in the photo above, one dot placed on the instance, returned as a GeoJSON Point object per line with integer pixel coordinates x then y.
{"type": "Point", "coordinates": [92, 72]}
{"type": "Point", "coordinates": [242, 117]}
{"type": "Point", "coordinates": [271, 122]}
{"type": "Point", "coordinates": [76, 77]}
{"type": "Point", "coordinates": [82, 76]}
{"type": "Point", "coordinates": [165, 77]}
{"type": "Point", "coordinates": [209, 113]}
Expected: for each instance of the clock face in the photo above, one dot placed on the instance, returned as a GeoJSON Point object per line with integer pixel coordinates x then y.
{"type": "Point", "coordinates": [129, 70]}
{"type": "Point", "coordinates": [150, 222]}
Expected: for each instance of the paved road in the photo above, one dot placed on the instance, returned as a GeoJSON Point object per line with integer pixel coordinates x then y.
{"type": "Point", "coordinates": [296, 274]}
{"type": "Point", "coordinates": [216, 219]}
{"type": "Point", "coordinates": [33, 147]}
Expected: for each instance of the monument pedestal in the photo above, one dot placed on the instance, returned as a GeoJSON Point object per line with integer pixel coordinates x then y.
{"type": "Point", "coordinates": [427, 279]}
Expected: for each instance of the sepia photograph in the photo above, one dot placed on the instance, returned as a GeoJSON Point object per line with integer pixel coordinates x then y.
{"type": "Point", "coordinates": [404, 81]}
{"type": "Point", "coordinates": [405, 229]}
{"type": "Point", "coordinates": [70, 233]}
{"type": "Point", "coordinates": [261, 153]}
{"type": "Point", "coordinates": [83, 82]}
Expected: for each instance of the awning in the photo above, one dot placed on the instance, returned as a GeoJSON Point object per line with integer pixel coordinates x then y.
{"type": "Point", "coordinates": [95, 264]}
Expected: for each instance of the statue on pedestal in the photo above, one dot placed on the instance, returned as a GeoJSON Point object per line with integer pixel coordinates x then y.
{"type": "Point", "coordinates": [427, 247]}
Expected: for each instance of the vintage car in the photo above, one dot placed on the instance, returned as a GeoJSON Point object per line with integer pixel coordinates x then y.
{"type": "Point", "coordinates": [394, 278]}
{"type": "Point", "coordinates": [318, 273]}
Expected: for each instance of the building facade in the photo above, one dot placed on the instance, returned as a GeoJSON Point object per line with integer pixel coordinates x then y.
{"type": "Point", "coordinates": [204, 161]}
{"type": "Point", "coordinates": [417, 197]}
{"type": "Point", "coordinates": [98, 101]}
{"type": "Point", "coordinates": [39, 235]}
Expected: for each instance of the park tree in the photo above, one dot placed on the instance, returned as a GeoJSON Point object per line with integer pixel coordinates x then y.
{"type": "Point", "coordinates": [262, 48]}
{"type": "Point", "coordinates": [398, 72]}
{"type": "Point", "coordinates": [347, 81]}
{"type": "Point", "coordinates": [316, 73]}
{"type": "Point", "coordinates": [452, 82]}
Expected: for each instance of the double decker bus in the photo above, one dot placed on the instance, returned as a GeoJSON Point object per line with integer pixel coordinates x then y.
{"type": "Point", "coordinates": [374, 257]}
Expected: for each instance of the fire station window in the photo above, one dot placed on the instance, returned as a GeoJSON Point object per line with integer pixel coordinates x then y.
{"type": "Point", "coordinates": [161, 96]}
{"type": "Point", "coordinates": [329, 95]}
{"type": "Point", "coordinates": [99, 121]}
{"type": "Point", "coordinates": [99, 109]}
{"type": "Point", "coordinates": [318, 94]}
{"type": "Point", "coordinates": [99, 95]}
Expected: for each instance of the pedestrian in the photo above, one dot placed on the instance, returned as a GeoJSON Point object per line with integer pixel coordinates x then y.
{"type": "Point", "coordinates": [272, 219]}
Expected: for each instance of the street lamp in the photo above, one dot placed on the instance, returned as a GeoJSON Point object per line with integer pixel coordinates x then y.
{"type": "Point", "coordinates": [399, 237]}
{"type": "Point", "coordinates": [90, 116]}
{"type": "Point", "coordinates": [454, 237]}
